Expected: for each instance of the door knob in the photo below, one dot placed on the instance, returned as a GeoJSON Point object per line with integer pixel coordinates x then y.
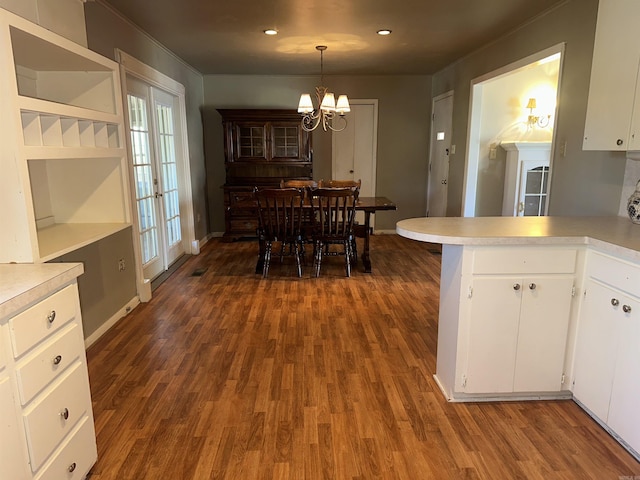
{"type": "Point", "coordinates": [626, 308]}
{"type": "Point", "coordinates": [615, 302]}
{"type": "Point", "coordinates": [532, 286]}
{"type": "Point", "coordinates": [516, 286]}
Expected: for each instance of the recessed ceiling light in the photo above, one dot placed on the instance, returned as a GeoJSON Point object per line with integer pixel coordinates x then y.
{"type": "Point", "coordinates": [270, 31]}
{"type": "Point", "coordinates": [384, 31]}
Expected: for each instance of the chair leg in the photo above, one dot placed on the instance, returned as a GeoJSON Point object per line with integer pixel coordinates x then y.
{"type": "Point", "coordinates": [354, 250]}
{"type": "Point", "coordinates": [317, 259]}
{"type": "Point", "coordinates": [296, 252]}
{"type": "Point", "coordinates": [267, 259]}
{"type": "Point", "coordinates": [347, 257]}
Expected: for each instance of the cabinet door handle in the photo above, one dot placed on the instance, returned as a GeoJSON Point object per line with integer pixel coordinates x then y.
{"type": "Point", "coordinates": [65, 414]}
{"type": "Point", "coordinates": [57, 359]}
{"type": "Point", "coordinates": [532, 286]}
{"type": "Point", "coordinates": [52, 316]}
{"type": "Point", "coordinates": [619, 142]}
{"type": "Point", "coordinates": [71, 468]}
{"type": "Point", "coordinates": [615, 302]}
{"type": "Point", "coordinates": [626, 308]}
{"type": "Point", "coordinates": [516, 286]}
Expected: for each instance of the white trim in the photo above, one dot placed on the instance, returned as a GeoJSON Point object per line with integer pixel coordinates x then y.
{"type": "Point", "coordinates": [119, 315]}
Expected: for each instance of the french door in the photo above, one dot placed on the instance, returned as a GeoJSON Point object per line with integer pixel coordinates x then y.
{"type": "Point", "coordinates": [153, 125]}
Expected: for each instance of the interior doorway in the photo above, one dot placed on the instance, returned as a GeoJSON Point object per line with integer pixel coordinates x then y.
{"type": "Point", "coordinates": [502, 111]}
{"type": "Point", "coordinates": [438, 181]}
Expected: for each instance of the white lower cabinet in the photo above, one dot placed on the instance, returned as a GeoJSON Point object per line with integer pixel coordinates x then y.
{"type": "Point", "coordinates": [607, 362]}
{"type": "Point", "coordinates": [517, 334]}
{"type": "Point", "coordinates": [504, 320]}
{"type": "Point", "coordinates": [47, 429]}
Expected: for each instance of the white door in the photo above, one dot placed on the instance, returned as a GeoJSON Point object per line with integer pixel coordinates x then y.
{"type": "Point", "coordinates": [437, 184]}
{"type": "Point", "coordinates": [153, 126]}
{"type": "Point", "coordinates": [355, 147]}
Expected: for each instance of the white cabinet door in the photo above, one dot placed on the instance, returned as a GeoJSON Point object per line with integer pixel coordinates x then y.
{"type": "Point", "coordinates": [624, 414]}
{"type": "Point", "coordinates": [493, 333]}
{"type": "Point", "coordinates": [613, 76]}
{"type": "Point", "coordinates": [542, 335]}
{"type": "Point", "coordinates": [518, 333]}
{"type": "Point", "coordinates": [596, 349]}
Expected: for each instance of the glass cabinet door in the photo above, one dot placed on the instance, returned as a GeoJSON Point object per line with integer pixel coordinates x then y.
{"type": "Point", "coordinates": [534, 190]}
{"type": "Point", "coordinates": [252, 142]}
{"type": "Point", "coordinates": [286, 142]}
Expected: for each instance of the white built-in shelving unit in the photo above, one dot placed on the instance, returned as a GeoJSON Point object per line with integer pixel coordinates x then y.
{"type": "Point", "coordinates": [64, 181]}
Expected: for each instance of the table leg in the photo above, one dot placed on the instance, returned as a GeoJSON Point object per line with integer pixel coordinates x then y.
{"type": "Point", "coordinates": [365, 254]}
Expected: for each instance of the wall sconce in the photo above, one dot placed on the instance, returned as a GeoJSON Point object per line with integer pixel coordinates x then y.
{"type": "Point", "coordinates": [533, 120]}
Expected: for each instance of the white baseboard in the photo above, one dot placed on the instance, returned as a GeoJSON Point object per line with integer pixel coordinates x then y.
{"type": "Point", "coordinates": [384, 232]}
{"type": "Point", "coordinates": [124, 311]}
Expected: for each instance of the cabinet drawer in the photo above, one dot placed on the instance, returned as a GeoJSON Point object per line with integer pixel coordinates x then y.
{"type": "Point", "coordinates": [76, 457]}
{"type": "Point", "coordinates": [524, 260]}
{"type": "Point", "coordinates": [612, 271]}
{"type": "Point", "coordinates": [45, 422]}
{"type": "Point", "coordinates": [36, 323]}
{"type": "Point", "coordinates": [42, 367]}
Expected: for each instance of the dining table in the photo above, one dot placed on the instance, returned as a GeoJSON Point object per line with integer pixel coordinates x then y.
{"type": "Point", "coordinates": [367, 205]}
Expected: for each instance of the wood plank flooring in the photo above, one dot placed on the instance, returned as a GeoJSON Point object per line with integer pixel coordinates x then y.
{"type": "Point", "coordinates": [227, 375]}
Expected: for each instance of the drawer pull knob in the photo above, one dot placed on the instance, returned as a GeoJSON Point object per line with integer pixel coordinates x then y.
{"type": "Point", "coordinates": [532, 286]}
{"type": "Point", "coordinates": [57, 359]}
{"type": "Point", "coordinates": [516, 286]}
{"type": "Point", "coordinates": [615, 302]}
{"type": "Point", "coordinates": [65, 414]}
{"type": "Point", "coordinates": [72, 467]}
{"type": "Point", "coordinates": [626, 308]}
{"type": "Point", "coordinates": [52, 316]}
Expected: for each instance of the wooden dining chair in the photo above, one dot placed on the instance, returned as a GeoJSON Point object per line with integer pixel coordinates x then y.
{"type": "Point", "coordinates": [334, 212]}
{"type": "Point", "coordinates": [358, 229]}
{"type": "Point", "coordinates": [279, 220]}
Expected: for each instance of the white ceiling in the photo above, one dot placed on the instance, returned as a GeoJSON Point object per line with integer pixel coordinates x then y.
{"type": "Point", "coordinates": [225, 36]}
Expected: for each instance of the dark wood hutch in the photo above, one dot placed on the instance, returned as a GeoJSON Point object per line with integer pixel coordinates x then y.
{"type": "Point", "coordinates": [261, 147]}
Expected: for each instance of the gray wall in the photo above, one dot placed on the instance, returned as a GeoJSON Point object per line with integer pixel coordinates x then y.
{"type": "Point", "coordinates": [404, 110]}
{"type": "Point", "coordinates": [583, 183]}
{"type": "Point", "coordinates": [103, 288]}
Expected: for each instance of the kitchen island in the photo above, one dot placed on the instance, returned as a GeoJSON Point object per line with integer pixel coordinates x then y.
{"type": "Point", "coordinates": [540, 308]}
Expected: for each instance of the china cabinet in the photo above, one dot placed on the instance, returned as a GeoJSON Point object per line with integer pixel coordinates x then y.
{"type": "Point", "coordinates": [64, 182]}
{"type": "Point", "coordinates": [261, 147]}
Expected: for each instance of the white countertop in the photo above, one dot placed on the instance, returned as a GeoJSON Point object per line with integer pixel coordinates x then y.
{"type": "Point", "coordinates": [617, 235]}
{"type": "Point", "coordinates": [22, 284]}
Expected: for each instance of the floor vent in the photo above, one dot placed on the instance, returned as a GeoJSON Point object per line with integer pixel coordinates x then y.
{"type": "Point", "coordinates": [198, 272]}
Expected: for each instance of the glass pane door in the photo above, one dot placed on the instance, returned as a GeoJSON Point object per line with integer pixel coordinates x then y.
{"type": "Point", "coordinates": [153, 144]}
{"type": "Point", "coordinates": [534, 190]}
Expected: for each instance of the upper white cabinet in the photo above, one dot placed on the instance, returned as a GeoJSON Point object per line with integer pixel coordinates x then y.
{"type": "Point", "coordinates": [65, 180]}
{"type": "Point", "coordinates": [614, 74]}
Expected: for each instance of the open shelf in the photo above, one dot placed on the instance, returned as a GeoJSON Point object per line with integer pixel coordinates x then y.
{"type": "Point", "coordinates": [58, 239]}
{"type": "Point", "coordinates": [59, 73]}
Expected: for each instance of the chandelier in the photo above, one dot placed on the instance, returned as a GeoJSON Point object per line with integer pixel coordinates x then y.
{"type": "Point", "coordinates": [328, 110]}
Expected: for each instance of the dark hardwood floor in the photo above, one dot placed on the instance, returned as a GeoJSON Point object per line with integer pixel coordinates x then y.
{"type": "Point", "coordinates": [225, 375]}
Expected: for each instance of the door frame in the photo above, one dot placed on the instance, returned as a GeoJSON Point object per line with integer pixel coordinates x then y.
{"type": "Point", "coordinates": [131, 66]}
{"type": "Point", "coordinates": [470, 182]}
{"type": "Point", "coordinates": [435, 99]}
